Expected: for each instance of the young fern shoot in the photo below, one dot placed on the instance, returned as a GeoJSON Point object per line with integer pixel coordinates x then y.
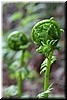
{"type": "Point", "coordinates": [18, 41]}
{"type": "Point", "coordinates": [46, 34]}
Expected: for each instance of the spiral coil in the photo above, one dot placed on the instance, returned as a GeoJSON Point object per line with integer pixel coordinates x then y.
{"type": "Point", "coordinates": [46, 30]}
{"type": "Point", "coordinates": [17, 39]}
{"type": "Point", "coordinates": [46, 34]}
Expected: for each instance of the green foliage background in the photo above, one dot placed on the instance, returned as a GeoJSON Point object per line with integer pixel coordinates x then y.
{"type": "Point", "coordinates": [22, 17]}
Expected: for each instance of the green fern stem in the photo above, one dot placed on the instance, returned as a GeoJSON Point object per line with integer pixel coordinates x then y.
{"type": "Point", "coordinates": [47, 74]}
{"type": "Point", "coordinates": [19, 85]}
{"type": "Point", "coordinates": [19, 79]}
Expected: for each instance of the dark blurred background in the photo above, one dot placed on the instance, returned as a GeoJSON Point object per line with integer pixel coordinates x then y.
{"type": "Point", "coordinates": [22, 17]}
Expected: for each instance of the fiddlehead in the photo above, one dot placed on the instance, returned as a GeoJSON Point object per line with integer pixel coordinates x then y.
{"type": "Point", "coordinates": [46, 34]}
{"type": "Point", "coordinates": [16, 40]}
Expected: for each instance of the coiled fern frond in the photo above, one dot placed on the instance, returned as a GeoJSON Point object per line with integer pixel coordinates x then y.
{"type": "Point", "coordinates": [16, 40]}
{"type": "Point", "coordinates": [46, 34]}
